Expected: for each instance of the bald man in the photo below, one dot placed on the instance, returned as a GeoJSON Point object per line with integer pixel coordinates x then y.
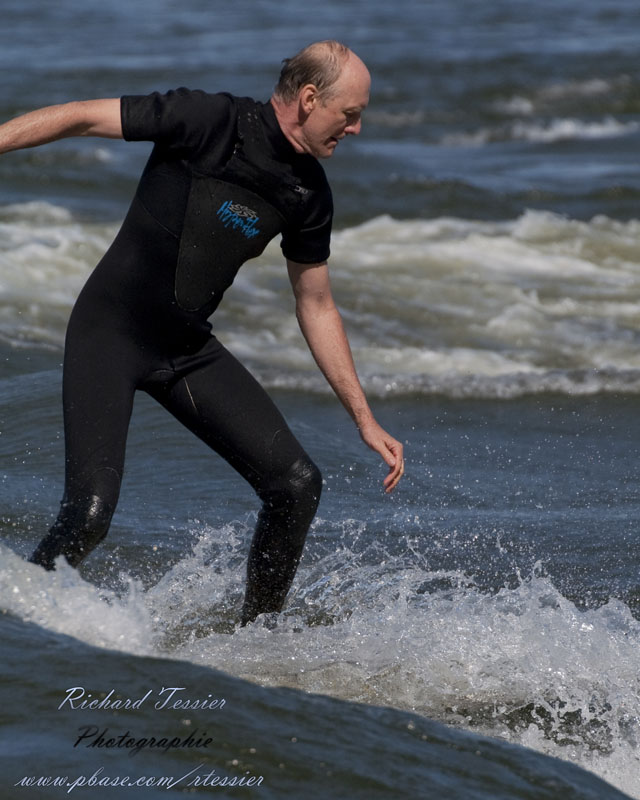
{"type": "Point", "coordinates": [225, 176]}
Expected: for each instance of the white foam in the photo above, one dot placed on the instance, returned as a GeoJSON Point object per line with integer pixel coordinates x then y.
{"type": "Point", "coordinates": [45, 256]}
{"type": "Point", "coordinates": [591, 87]}
{"type": "Point", "coordinates": [371, 627]}
{"type": "Point", "coordinates": [61, 601]}
{"type": "Point", "coordinates": [540, 303]}
{"type": "Point", "coordinates": [554, 130]}
{"type": "Point", "coordinates": [362, 630]}
{"type": "Point", "coordinates": [559, 94]}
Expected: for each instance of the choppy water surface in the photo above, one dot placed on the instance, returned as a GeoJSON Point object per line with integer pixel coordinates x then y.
{"type": "Point", "coordinates": [485, 258]}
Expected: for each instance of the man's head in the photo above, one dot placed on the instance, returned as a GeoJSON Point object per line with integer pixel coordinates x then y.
{"type": "Point", "coordinates": [320, 97]}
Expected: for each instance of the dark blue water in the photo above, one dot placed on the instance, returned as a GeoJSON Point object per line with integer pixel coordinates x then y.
{"type": "Point", "coordinates": [485, 258]}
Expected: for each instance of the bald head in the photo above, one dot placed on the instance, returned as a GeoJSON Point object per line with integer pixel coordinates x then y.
{"type": "Point", "coordinates": [320, 65]}
{"type": "Point", "coordinates": [320, 97]}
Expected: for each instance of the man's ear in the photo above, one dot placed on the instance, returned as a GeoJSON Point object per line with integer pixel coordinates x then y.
{"type": "Point", "coordinates": [308, 98]}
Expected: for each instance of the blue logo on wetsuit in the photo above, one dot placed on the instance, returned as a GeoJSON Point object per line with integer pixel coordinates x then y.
{"type": "Point", "coordinates": [240, 218]}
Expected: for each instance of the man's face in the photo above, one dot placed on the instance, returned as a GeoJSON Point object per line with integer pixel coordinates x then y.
{"type": "Point", "coordinates": [338, 115]}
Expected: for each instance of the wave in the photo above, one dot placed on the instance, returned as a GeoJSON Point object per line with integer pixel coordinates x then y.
{"type": "Point", "coordinates": [45, 257]}
{"type": "Point", "coordinates": [510, 386]}
{"type": "Point", "coordinates": [539, 304]}
{"type": "Point", "coordinates": [554, 130]}
{"type": "Point", "coordinates": [521, 663]}
{"type": "Point", "coordinates": [563, 93]}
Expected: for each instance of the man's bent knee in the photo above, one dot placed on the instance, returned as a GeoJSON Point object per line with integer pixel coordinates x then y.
{"type": "Point", "coordinates": [289, 505]}
{"type": "Point", "coordinates": [303, 483]}
{"type": "Point", "coordinates": [290, 500]}
{"type": "Point", "coordinates": [82, 524]}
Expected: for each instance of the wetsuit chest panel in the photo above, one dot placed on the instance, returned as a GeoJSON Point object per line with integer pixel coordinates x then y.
{"type": "Point", "coordinates": [225, 225]}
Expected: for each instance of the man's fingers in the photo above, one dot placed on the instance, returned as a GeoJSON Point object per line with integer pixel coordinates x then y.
{"type": "Point", "coordinates": [392, 480]}
{"type": "Point", "coordinates": [396, 471]}
{"type": "Point", "coordinates": [390, 450]}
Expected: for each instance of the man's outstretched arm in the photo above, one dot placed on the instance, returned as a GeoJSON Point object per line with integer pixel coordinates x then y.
{"type": "Point", "coordinates": [80, 118]}
{"type": "Point", "coordinates": [322, 327]}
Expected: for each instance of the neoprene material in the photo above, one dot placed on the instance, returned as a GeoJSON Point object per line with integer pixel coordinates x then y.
{"type": "Point", "coordinates": [215, 191]}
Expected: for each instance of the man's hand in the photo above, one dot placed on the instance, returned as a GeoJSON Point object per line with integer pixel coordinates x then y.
{"type": "Point", "coordinates": [389, 448]}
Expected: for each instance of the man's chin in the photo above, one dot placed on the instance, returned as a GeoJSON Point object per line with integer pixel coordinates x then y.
{"type": "Point", "coordinates": [328, 149]}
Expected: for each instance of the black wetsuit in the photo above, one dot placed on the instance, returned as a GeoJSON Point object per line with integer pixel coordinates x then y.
{"type": "Point", "coordinates": [221, 182]}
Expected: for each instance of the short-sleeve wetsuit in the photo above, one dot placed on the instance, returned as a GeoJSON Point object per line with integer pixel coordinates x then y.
{"type": "Point", "coordinates": [221, 182]}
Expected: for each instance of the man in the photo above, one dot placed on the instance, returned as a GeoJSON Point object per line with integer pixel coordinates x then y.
{"type": "Point", "coordinates": [225, 176]}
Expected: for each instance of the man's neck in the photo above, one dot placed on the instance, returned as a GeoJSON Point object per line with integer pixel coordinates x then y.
{"type": "Point", "coordinates": [287, 116]}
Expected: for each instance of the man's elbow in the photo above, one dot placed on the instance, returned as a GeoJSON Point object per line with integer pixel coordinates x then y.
{"type": "Point", "coordinates": [314, 304]}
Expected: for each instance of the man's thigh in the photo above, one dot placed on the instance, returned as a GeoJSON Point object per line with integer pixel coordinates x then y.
{"type": "Point", "coordinates": [98, 390]}
{"type": "Point", "coordinates": [217, 398]}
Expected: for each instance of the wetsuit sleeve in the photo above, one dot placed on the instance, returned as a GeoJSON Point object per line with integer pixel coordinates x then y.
{"type": "Point", "coordinates": [310, 242]}
{"type": "Point", "coordinates": [181, 119]}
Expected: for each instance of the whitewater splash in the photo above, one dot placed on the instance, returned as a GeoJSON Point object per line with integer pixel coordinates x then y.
{"type": "Point", "coordinates": [446, 306]}
{"type": "Point", "coordinates": [554, 130]}
{"type": "Point", "coordinates": [45, 257]}
{"type": "Point", "coordinates": [522, 663]}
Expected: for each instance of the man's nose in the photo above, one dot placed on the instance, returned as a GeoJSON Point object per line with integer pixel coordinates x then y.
{"type": "Point", "coordinates": [354, 129]}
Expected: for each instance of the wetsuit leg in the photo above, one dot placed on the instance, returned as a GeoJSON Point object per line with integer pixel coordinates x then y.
{"type": "Point", "coordinates": [98, 387]}
{"type": "Point", "coordinates": [220, 401]}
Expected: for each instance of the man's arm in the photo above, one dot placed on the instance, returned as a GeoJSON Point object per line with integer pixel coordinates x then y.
{"type": "Point", "coordinates": [81, 118]}
{"type": "Point", "coordinates": [321, 325]}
